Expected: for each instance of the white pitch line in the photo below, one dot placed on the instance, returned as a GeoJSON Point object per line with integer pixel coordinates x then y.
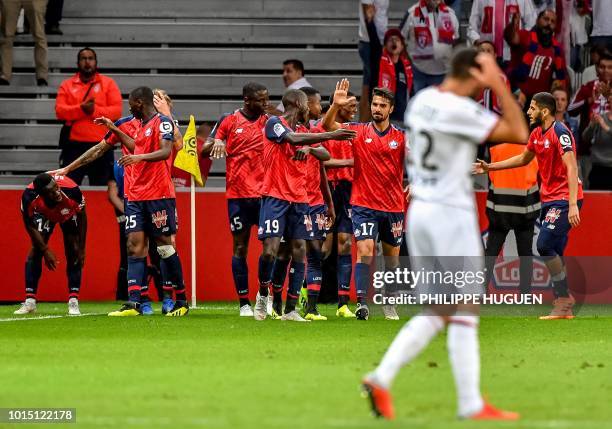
{"type": "Point", "coordinates": [56, 316]}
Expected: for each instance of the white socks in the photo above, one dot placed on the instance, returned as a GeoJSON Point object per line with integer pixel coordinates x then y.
{"type": "Point", "coordinates": [464, 355]}
{"type": "Point", "coordinates": [408, 343]}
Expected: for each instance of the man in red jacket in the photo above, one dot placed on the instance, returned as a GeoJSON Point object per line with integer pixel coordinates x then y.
{"type": "Point", "coordinates": [81, 98]}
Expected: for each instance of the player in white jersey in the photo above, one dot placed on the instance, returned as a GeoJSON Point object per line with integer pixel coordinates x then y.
{"type": "Point", "coordinates": [444, 126]}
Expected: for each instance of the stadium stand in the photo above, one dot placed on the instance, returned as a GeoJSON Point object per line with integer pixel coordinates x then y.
{"type": "Point", "coordinates": [200, 52]}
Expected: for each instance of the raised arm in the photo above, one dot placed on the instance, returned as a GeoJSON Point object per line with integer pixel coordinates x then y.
{"type": "Point", "coordinates": [341, 99]}
{"type": "Point", "coordinates": [339, 163]}
{"type": "Point", "coordinates": [90, 155]}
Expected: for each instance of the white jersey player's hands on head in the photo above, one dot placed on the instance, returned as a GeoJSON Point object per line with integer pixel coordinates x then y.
{"type": "Point", "coordinates": [480, 167]}
{"type": "Point", "coordinates": [161, 104]}
{"type": "Point", "coordinates": [489, 73]}
{"type": "Point", "coordinates": [219, 150]}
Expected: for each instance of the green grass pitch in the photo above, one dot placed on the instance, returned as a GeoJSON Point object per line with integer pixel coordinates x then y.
{"type": "Point", "coordinates": [213, 369]}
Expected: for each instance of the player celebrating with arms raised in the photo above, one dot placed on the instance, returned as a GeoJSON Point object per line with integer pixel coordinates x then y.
{"type": "Point", "coordinates": [377, 200]}
{"type": "Point", "coordinates": [49, 200]}
{"type": "Point", "coordinates": [553, 145]}
{"type": "Point", "coordinates": [238, 136]}
{"type": "Point", "coordinates": [284, 206]}
{"type": "Point", "coordinates": [445, 124]}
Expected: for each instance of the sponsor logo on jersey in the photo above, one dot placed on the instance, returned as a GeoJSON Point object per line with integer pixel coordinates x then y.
{"type": "Point", "coordinates": [566, 141]}
{"type": "Point", "coordinates": [278, 129]}
{"type": "Point", "coordinates": [159, 218]}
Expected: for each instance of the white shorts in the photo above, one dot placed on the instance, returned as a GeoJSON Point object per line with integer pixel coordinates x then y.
{"type": "Point", "coordinates": [444, 239]}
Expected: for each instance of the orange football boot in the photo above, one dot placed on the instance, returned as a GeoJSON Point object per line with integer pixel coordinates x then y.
{"type": "Point", "coordinates": [380, 400]}
{"type": "Point", "coordinates": [562, 309]}
{"type": "Point", "coordinates": [489, 412]}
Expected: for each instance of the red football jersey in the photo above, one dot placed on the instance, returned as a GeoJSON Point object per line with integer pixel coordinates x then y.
{"type": "Point", "coordinates": [549, 147]}
{"type": "Point", "coordinates": [244, 145]}
{"type": "Point", "coordinates": [72, 202]}
{"type": "Point", "coordinates": [379, 167]}
{"type": "Point", "coordinates": [339, 149]}
{"type": "Point", "coordinates": [284, 178]}
{"type": "Point", "coordinates": [129, 125]}
{"type": "Point", "coordinates": [313, 180]}
{"type": "Point", "coordinates": [151, 180]}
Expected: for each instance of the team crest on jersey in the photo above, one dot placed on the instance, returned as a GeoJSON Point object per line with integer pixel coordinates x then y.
{"type": "Point", "coordinates": [551, 216]}
{"type": "Point", "coordinates": [238, 130]}
{"type": "Point", "coordinates": [148, 132]}
{"type": "Point", "coordinates": [96, 87]}
{"type": "Point", "coordinates": [64, 212]}
{"type": "Point", "coordinates": [159, 218]}
{"type": "Point", "coordinates": [393, 144]}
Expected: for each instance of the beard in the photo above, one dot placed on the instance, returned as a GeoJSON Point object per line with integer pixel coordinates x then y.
{"type": "Point", "coordinates": [536, 122]}
{"type": "Point", "coordinates": [379, 118]}
{"type": "Point", "coordinates": [545, 36]}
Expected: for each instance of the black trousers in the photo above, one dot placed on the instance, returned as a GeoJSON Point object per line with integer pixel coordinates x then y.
{"type": "Point", "coordinates": [524, 245]}
{"type": "Point", "coordinates": [600, 178]}
{"type": "Point", "coordinates": [99, 171]}
{"type": "Point", "coordinates": [54, 12]}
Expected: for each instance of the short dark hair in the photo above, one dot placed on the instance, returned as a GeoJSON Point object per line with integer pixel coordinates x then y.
{"type": "Point", "coordinates": [331, 97]}
{"type": "Point", "coordinates": [143, 93]}
{"type": "Point", "coordinates": [384, 93]}
{"type": "Point", "coordinates": [309, 91]}
{"type": "Point", "coordinates": [41, 182]}
{"type": "Point", "coordinates": [545, 100]}
{"type": "Point", "coordinates": [86, 48]}
{"type": "Point", "coordinates": [605, 56]}
{"type": "Point", "coordinates": [291, 97]}
{"type": "Point", "coordinates": [462, 61]}
{"type": "Point", "coordinates": [251, 88]}
{"type": "Point", "coordinates": [297, 64]}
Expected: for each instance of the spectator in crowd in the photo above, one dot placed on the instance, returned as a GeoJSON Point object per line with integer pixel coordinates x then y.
{"type": "Point", "coordinates": [599, 134]}
{"type": "Point", "coordinates": [602, 24]}
{"type": "Point", "coordinates": [537, 58]}
{"type": "Point", "coordinates": [591, 99]}
{"type": "Point", "coordinates": [431, 29]}
{"type": "Point", "coordinates": [395, 72]}
{"type": "Point", "coordinates": [373, 18]}
{"type": "Point", "coordinates": [562, 99]}
{"type": "Point", "coordinates": [81, 98]}
{"type": "Point", "coordinates": [293, 77]}
{"type": "Point", "coordinates": [590, 72]}
{"type": "Point", "coordinates": [489, 18]}
{"type": "Point", "coordinates": [53, 16]}
{"type": "Point", "coordinates": [35, 14]}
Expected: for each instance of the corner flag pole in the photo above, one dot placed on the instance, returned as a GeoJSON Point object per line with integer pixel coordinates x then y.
{"type": "Point", "coordinates": [193, 245]}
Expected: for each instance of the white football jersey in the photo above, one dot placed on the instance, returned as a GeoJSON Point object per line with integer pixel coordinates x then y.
{"type": "Point", "coordinates": [443, 130]}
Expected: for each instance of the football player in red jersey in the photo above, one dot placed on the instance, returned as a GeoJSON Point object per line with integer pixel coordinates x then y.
{"type": "Point", "coordinates": [378, 197]}
{"type": "Point", "coordinates": [237, 136]}
{"type": "Point", "coordinates": [47, 201]}
{"type": "Point", "coordinates": [151, 205]}
{"type": "Point", "coordinates": [340, 176]}
{"type": "Point", "coordinates": [284, 207]}
{"type": "Point", "coordinates": [553, 145]}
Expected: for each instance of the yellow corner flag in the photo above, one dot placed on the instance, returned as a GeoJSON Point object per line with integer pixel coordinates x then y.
{"type": "Point", "coordinates": [187, 158]}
